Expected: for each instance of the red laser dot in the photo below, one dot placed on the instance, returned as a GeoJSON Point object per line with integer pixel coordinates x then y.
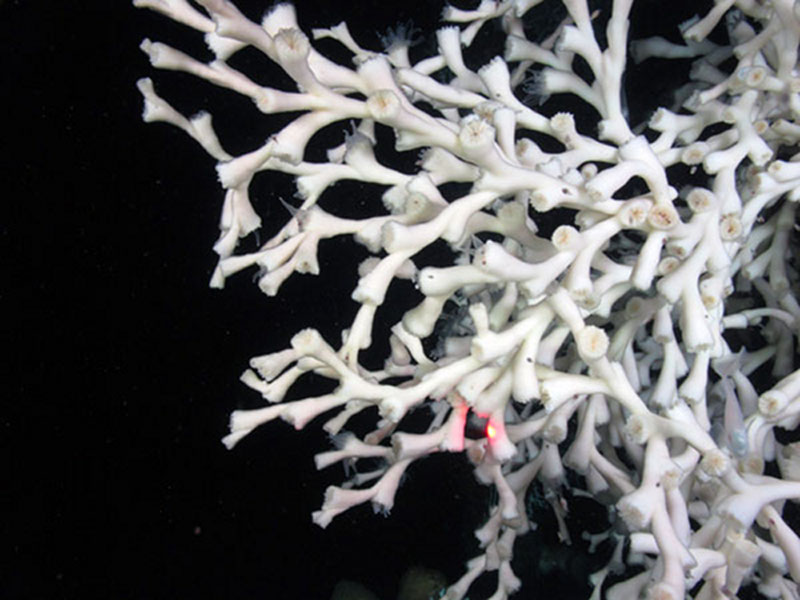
{"type": "Point", "coordinates": [491, 432]}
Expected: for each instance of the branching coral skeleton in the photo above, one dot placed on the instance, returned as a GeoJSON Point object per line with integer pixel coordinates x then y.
{"type": "Point", "coordinates": [617, 322]}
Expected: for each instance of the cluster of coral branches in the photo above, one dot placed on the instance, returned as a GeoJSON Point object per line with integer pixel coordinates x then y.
{"type": "Point", "coordinates": [607, 347]}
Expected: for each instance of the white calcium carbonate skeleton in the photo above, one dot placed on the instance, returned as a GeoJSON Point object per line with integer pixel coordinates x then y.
{"type": "Point", "coordinates": [620, 321]}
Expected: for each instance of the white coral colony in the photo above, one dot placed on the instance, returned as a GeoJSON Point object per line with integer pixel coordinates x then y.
{"type": "Point", "coordinates": [613, 323]}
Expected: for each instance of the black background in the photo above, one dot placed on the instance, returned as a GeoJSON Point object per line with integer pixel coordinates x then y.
{"type": "Point", "coordinates": [122, 365]}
